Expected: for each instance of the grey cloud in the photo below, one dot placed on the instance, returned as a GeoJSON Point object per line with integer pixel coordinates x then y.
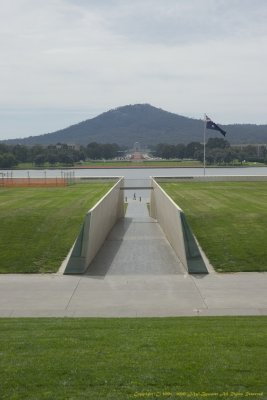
{"type": "Point", "coordinates": [182, 55]}
{"type": "Point", "coordinates": [183, 21]}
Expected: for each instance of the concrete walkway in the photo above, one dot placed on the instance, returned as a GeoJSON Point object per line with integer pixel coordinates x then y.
{"type": "Point", "coordinates": [136, 246]}
{"type": "Point", "coordinates": [136, 273]}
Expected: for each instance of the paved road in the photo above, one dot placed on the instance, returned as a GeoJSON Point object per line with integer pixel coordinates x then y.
{"type": "Point", "coordinates": [136, 274]}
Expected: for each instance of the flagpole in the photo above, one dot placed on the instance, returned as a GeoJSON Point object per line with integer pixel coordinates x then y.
{"type": "Point", "coordinates": [204, 158]}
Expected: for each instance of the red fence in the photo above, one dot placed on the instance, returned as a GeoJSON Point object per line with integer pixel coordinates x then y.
{"type": "Point", "coordinates": [32, 182]}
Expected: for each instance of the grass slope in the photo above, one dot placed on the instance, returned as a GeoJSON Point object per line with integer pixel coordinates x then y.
{"type": "Point", "coordinates": [117, 164]}
{"type": "Point", "coordinates": [229, 220]}
{"type": "Point", "coordinates": [133, 358]}
{"type": "Point", "coordinates": [39, 225]}
{"type": "Point", "coordinates": [143, 163]}
{"type": "Point", "coordinates": [139, 164]}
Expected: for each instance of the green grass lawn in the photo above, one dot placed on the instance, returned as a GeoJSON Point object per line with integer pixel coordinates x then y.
{"type": "Point", "coordinates": [144, 163]}
{"type": "Point", "coordinates": [229, 220]}
{"type": "Point", "coordinates": [133, 358]}
{"type": "Point", "coordinates": [39, 225]}
{"type": "Point", "coordinates": [115, 164]}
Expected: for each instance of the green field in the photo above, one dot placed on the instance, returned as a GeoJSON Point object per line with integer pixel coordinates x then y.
{"type": "Point", "coordinates": [147, 164]}
{"type": "Point", "coordinates": [140, 164]}
{"type": "Point", "coordinates": [229, 220]}
{"type": "Point", "coordinates": [133, 358]}
{"type": "Point", "coordinates": [117, 164]}
{"type": "Point", "coordinates": [39, 225]}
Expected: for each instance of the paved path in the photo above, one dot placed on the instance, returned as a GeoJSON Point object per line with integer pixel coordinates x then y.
{"type": "Point", "coordinates": [133, 295]}
{"type": "Point", "coordinates": [136, 245]}
{"type": "Point", "coordinates": [124, 282]}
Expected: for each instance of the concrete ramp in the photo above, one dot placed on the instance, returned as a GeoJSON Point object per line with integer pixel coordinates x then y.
{"type": "Point", "coordinates": [135, 246]}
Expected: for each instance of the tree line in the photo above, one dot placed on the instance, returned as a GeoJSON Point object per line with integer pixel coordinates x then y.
{"type": "Point", "coordinates": [218, 151]}
{"type": "Point", "coordinates": [12, 155]}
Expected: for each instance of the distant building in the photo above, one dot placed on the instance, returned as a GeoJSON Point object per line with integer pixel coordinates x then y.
{"type": "Point", "coordinates": [68, 145]}
{"type": "Point", "coordinates": [137, 146]}
{"type": "Point", "coordinates": [74, 146]}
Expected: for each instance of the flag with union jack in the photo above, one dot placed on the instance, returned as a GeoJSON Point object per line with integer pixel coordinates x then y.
{"type": "Point", "coordinates": [211, 125]}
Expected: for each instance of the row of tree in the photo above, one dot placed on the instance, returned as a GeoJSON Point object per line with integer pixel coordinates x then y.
{"type": "Point", "coordinates": [64, 154]}
{"type": "Point", "coordinates": [218, 151]}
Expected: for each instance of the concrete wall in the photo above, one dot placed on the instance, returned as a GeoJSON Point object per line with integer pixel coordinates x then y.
{"type": "Point", "coordinates": [217, 178]}
{"type": "Point", "coordinates": [167, 213]}
{"type": "Point", "coordinates": [98, 179]}
{"type": "Point", "coordinates": [97, 224]}
{"type": "Point", "coordinates": [173, 222]}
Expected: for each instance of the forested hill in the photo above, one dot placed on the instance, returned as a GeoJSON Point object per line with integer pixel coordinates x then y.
{"type": "Point", "coordinates": [145, 124]}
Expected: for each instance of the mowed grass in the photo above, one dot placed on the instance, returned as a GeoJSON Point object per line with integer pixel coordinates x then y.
{"type": "Point", "coordinates": [144, 163]}
{"type": "Point", "coordinates": [229, 220]}
{"type": "Point", "coordinates": [120, 164]}
{"type": "Point", "coordinates": [39, 225]}
{"type": "Point", "coordinates": [133, 358]}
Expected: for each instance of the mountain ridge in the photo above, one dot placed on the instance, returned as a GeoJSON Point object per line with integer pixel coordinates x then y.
{"type": "Point", "coordinates": [146, 124]}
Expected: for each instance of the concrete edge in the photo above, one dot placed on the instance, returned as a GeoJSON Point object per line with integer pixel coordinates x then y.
{"type": "Point", "coordinates": [88, 250]}
{"type": "Point", "coordinates": [213, 178]}
{"type": "Point", "coordinates": [134, 313]}
{"type": "Point", "coordinates": [203, 264]}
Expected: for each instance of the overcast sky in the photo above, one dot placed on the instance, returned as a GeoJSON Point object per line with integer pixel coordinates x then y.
{"type": "Point", "coordinates": [64, 61]}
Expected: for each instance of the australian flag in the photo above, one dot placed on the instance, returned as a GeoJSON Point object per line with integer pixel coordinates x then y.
{"type": "Point", "coordinates": [211, 125]}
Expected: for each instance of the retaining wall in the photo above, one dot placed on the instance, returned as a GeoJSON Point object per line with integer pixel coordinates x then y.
{"type": "Point", "coordinates": [97, 224]}
{"type": "Point", "coordinates": [173, 222]}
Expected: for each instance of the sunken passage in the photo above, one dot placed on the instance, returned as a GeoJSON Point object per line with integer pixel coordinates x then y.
{"type": "Point", "coordinates": [136, 245]}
